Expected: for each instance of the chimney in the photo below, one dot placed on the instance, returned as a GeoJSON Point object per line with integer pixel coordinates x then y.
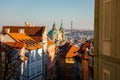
{"type": "Point", "coordinates": [28, 24]}
{"type": "Point", "coordinates": [31, 24]}
{"type": "Point", "coordinates": [21, 30]}
{"type": "Point", "coordinates": [7, 30]}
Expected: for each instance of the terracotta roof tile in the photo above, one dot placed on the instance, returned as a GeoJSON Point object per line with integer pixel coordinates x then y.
{"type": "Point", "coordinates": [84, 46]}
{"type": "Point", "coordinates": [15, 44]}
{"type": "Point", "coordinates": [50, 42]}
{"type": "Point", "coordinates": [68, 50]}
{"type": "Point", "coordinates": [35, 30]}
{"type": "Point", "coordinates": [31, 44]}
{"type": "Point", "coordinates": [73, 51]}
{"type": "Point", "coordinates": [37, 38]}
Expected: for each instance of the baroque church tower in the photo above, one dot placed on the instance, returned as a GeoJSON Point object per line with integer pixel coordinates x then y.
{"type": "Point", "coordinates": [55, 34]}
{"type": "Point", "coordinates": [62, 30]}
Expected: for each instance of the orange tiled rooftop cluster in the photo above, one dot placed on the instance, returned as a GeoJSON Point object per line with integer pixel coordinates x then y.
{"type": "Point", "coordinates": [22, 37]}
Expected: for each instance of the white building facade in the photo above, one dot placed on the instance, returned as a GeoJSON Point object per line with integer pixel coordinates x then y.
{"type": "Point", "coordinates": [31, 69]}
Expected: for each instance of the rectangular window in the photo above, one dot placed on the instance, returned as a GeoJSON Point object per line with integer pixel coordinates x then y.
{"type": "Point", "coordinates": [92, 50]}
{"type": "Point", "coordinates": [46, 58]}
{"type": "Point", "coordinates": [39, 54]}
{"type": "Point", "coordinates": [32, 57]}
{"type": "Point", "coordinates": [106, 75]}
{"type": "Point", "coordinates": [107, 19]}
{"type": "Point", "coordinates": [39, 68]}
{"type": "Point", "coordinates": [32, 71]}
{"type": "Point", "coordinates": [107, 27]}
{"type": "Point", "coordinates": [69, 60]}
{"type": "Point", "coordinates": [90, 61]}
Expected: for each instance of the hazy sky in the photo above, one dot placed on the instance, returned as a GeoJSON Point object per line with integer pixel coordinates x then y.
{"type": "Point", "coordinates": [45, 12]}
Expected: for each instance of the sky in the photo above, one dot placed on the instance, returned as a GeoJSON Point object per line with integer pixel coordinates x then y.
{"type": "Point", "coordinates": [46, 12]}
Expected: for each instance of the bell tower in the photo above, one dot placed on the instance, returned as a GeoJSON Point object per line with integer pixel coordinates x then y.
{"type": "Point", "coordinates": [62, 30]}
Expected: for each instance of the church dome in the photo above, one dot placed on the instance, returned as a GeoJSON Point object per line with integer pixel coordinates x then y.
{"type": "Point", "coordinates": [54, 31]}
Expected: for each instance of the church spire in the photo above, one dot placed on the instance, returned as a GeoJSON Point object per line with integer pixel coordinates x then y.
{"type": "Point", "coordinates": [61, 27]}
{"type": "Point", "coordinates": [54, 26]}
{"type": "Point", "coordinates": [61, 22]}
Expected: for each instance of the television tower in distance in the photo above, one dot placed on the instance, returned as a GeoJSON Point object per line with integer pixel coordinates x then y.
{"type": "Point", "coordinates": [71, 25]}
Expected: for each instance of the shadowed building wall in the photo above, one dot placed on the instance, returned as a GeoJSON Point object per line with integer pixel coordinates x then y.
{"type": "Point", "coordinates": [107, 40]}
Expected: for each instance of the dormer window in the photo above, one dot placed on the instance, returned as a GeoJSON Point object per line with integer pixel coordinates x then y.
{"type": "Point", "coordinates": [7, 30]}
{"type": "Point", "coordinates": [21, 30]}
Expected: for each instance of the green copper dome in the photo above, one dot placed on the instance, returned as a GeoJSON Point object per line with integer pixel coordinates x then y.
{"type": "Point", "coordinates": [54, 31]}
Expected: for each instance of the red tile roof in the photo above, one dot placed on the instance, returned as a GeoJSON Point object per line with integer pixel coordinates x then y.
{"type": "Point", "coordinates": [50, 42]}
{"type": "Point", "coordinates": [68, 50]}
{"type": "Point", "coordinates": [84, 46]}
{"type": "Point", "coordinates": [35, 30]}
{"type": "Point", "coordinates": [73, 51]}
{"type": "Point", "coordinates": [15, 44]}
{"type": "Point", "coordinates": [37, 38]}
{"type": "Point", "coordinates": [31, 44]}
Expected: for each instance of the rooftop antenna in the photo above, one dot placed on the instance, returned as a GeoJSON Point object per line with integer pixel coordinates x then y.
{"type": "Point", "coordinates": [71, 25]}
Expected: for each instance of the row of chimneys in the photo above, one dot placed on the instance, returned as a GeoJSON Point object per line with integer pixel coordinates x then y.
{"type": "Point", "coordinates": [27, 24]}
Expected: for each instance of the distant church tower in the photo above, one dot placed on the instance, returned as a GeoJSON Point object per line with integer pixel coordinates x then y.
{"type": "Point", "coordinates": [57, 35]}
{"type": "Point", "coordinates": [62, 30]}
